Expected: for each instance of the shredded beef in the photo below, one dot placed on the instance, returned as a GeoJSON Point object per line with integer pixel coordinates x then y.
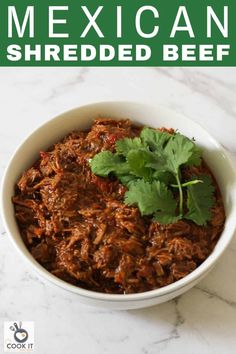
{"type": "Point", "coordinates": [77, 226]}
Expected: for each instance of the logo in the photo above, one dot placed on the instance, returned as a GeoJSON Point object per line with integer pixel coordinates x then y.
{"type": "Point", "coordinates": [19, 336]}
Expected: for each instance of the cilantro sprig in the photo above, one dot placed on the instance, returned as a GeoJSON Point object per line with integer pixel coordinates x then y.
{"type": "Point", "coordinates": [151, 168]}
{"type": "Point", "coordinates": [153, 198]}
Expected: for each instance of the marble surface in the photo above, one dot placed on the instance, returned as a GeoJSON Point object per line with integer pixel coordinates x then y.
{"type": "Point", "coordinates": [201, 321]}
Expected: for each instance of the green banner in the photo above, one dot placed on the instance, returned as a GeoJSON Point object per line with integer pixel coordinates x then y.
{"type": "Point", "coordinates": [117, 33]}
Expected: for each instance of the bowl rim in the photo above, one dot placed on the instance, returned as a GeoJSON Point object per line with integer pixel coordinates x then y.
{"type": "Point", "coordinates": [98, 296]}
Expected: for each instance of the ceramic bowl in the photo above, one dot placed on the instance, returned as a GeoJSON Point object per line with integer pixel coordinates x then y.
{"type": "Point", "coordinates": [146, 114]}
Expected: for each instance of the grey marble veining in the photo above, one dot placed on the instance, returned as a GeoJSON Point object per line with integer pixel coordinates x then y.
{"type": "Point", "coordinates": [202, 320]}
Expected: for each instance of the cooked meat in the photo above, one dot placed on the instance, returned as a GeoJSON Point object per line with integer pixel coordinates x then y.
{"type": "Point", "coordinates": [77, 226]}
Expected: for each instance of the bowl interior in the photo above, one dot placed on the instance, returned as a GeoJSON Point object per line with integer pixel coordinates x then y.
{"type": "Point", "coordinates": [153, 116]}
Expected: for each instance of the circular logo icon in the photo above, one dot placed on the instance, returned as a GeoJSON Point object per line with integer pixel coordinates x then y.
{"type": "Point", "coordinates": [20, 334]}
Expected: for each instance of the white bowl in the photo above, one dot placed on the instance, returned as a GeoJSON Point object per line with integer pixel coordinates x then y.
{"type": "Point", "coordinates": [153, 116]}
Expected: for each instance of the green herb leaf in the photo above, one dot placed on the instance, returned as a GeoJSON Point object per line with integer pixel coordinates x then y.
{"type": "Point", "coordinates": [195, 159]}
{"type": "Point", "coordinates": [124, 146]}
{"type": "Point", "coordinates": [178, 151]}
{"type": "Point", "coordinates": [141, 194]}
{"type": "Point", "coordinates": [164, 176]}
{"type": "Point", "coordinates": [138, 160]}
{"type": "Point", "coordinates": [148, 165]}
{"type": "Point", "coordinates": [127, 180]}
{"type": "Point", "coordinates": [106, 162]}
{"type": "Point", "coordinates": [200, 201]}
{"type": "Point", "coordinates": [164, 218]}
{"type": "Point", "coordinates": [155, 139]}
{"type": "Point", "coordinates": [152, 198]}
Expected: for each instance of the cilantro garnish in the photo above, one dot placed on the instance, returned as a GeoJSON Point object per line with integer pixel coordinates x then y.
{"type": "Point", "coordinates": [106, 162]}
{"type": "Point", "coordinates": [155, 139]}
{"type": "Point", "coordinates": [153, 197]}
{"type": "Point", "coordinates": [200, 201]}
{"type": "Point", "coordinates": [150, 166]}
{"type": "Point", "coordinates": [124, 146]}
{"type": "Point", "coordinates": [138, 161]}
{"type": "Point", "coordinates": [179, 151]}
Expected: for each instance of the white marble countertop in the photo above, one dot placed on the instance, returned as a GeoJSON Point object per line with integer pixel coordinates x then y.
{"type": "Point", "coordinates": [201, 321]}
